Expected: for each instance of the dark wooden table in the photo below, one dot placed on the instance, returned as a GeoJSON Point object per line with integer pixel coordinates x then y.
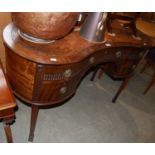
{"type": "Point", "coordinates": [48, 74]}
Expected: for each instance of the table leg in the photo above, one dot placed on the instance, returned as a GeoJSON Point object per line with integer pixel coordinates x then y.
{"type": "Point", "coordinates": [34, 115]}
{"type": "Point", "coordinates": [7, 130]}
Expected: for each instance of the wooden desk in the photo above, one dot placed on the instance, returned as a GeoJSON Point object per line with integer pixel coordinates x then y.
{"type": "Point", "coordinates": [47, 74]}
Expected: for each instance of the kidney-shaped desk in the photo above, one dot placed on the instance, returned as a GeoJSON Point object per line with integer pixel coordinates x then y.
{"type": "Point", "coordinates": [47, 74]}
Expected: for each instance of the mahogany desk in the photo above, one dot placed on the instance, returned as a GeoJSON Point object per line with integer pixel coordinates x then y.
{"type": "Point", "coordinates": [47, 74]}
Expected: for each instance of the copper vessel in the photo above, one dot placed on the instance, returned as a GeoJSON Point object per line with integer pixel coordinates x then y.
{"type": "Point", "coordinates": [45, 25]}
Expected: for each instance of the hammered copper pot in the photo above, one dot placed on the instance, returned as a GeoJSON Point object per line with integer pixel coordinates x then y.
{"type": "Point", "coordinates": [45, 25]}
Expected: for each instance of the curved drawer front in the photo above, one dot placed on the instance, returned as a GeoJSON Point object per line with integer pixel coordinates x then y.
{"type": "Point", "coordinates": [55, 91]}
{"type": "Point", "coordinates": [21, 74]}
{"type": "Point", "coordinates": [57, 83]}
{"type": "Point", "coordinates": [110, 55]}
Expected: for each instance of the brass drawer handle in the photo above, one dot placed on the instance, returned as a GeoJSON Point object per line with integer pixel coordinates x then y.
{"type": "Point", "coordinates": [63, 90]}
{"type": "Point", "coordinates": [67, 73]}
{"type": "Point", "coordinates": [92, 60]}
{"type": "Point", "coordinates": [118, 54]}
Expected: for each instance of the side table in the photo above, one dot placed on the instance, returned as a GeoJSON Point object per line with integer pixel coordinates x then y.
{"type": "Point", "coordinates": [7, 105]}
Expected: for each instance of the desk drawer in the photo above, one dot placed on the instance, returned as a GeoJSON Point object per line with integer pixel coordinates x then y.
{"type": "Point", "coordinates": [125, 52]}
{"type": "Point", "coordinates": [54, 91]}
{"type": "Point", "coordinates": [62, 72]}
{"type": "Point", "coordinates": [7, 113]}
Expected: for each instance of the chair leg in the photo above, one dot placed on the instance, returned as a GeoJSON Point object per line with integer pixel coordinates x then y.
{"type": "Point", "coordinates": [150, 84]}
{"type": "Point", "coordinates": [8, 132]}
{"type": "Point", "coordinates": [121, 88]}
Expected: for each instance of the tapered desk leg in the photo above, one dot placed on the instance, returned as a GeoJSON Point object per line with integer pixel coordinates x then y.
{"type": "Point", "coordinates": [95, 73]}
{"type": "Point", "coordinates": [123, 85]}
{"type": "Point", "coordinates": [8, 132]}
{"type": "Point", "coordinates": [144, 67]}
{"type": "Point", "coordinates": [34, 115]}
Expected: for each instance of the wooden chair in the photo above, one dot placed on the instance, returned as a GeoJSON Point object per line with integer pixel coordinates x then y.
{"type": "Point", "coordinates": [7, 105]}
{"type": "Point", "coordinates": [128, 20]}
{"type": "Point", "coordinates": [117, 73]}
{"type": "Point", "coordinates": [134, 21]}
{"type": "Point", "coordinates": [150, 62]}
{"type": "Point", "coordinates": [146, 25]}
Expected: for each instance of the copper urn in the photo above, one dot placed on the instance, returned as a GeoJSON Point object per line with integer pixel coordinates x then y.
{"type": "Point", "coordinates": [45, 25]}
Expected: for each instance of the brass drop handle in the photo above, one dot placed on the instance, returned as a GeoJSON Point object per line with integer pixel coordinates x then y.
{"type": "Point", "coordinates": [67, 73]}
{"type": "Point", "coordinates": [63, 90]}
{"type": "Point", "coordinates": [92, 60]}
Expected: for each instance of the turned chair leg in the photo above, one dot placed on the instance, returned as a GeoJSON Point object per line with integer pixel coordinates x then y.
{"type": "Point", "coordinates": [152, 81]}
{"type": "Point", "coordinates": [7, 129]}
{"type": "Point", "coordinates": [34, 115]}
{"type": "Point", "coordinates": [121, 88]}
{"type": "Point", "coordinates": [150, 84]}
